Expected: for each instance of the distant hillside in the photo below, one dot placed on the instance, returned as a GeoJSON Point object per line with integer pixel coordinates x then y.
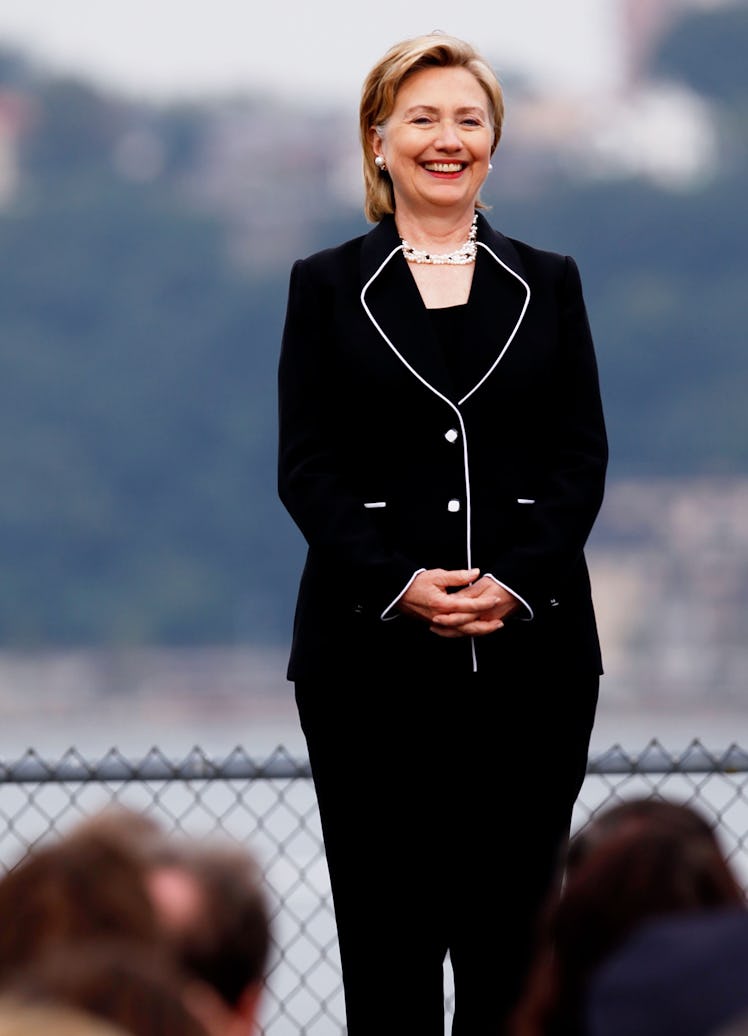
{"type": "Point", "coordinates": [142, 288]}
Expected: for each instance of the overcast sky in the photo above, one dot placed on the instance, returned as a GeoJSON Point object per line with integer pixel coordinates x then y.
{"type": "Point", "coordinates": [319, 49]}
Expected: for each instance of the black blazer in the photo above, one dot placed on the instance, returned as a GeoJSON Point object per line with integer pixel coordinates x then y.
{"type": "Point", "coordinates": [385, 473]}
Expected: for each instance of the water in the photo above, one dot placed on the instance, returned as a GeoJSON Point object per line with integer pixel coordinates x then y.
{"type": "Point", "coordinates": [219, 698]}
{"type": "Point", "coordinates": [133, 700]}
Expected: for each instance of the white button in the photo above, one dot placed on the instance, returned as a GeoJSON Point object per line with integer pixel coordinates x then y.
{"type": "Point", "coordinates": [451, 435]}
{"type": "Point", "coordinates": [453, 505]}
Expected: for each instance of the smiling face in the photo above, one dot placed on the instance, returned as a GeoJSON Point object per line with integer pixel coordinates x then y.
{"type": "Point", "coordinates": [437, 142]}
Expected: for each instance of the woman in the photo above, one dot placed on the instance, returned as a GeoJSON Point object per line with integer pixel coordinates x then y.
{"type": "Point", "coordinates": [442, 449]}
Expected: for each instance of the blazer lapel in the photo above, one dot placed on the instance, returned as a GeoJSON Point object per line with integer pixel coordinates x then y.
{"type": "Point", "coordinates": [392, 302]}
{"type": "Point", "coordinates": [499, 297]}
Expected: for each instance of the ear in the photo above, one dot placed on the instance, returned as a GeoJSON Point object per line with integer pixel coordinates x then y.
{"type": "Point", "coordinates": [376, 141]}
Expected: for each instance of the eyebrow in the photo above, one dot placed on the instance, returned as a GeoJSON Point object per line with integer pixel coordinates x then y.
{"type": "Point", "coordinates": [472, 108]}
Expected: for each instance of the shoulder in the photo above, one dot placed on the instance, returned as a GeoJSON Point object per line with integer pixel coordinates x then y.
{"type": "Point", "coordinates": [536, 263]}
{"type": "Point", "coordinates": [539, 257]}
{"type": "Point", "coordinates": [557, 271]}
{"type": "Point", "coordinates": [328, 264]}
{"type": "Point", "coordinates": [544, 263]}
{"type": "Point", "coordinates": [318, 278]}
{"type": "Point", "coordinates": [354, 260]}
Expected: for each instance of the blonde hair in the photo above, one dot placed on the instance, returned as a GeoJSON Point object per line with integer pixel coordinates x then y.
{"type": "Point", "coordinates": [380, 89]}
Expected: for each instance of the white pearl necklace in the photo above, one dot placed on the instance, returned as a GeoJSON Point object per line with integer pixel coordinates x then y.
{"type": "Point", "coordinates": [460, 257]}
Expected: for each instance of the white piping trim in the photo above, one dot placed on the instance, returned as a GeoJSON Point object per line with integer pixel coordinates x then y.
{"type": "Point", "coordinates": [453, 406]}
{"type": "Point", "coordinates": [397, 353]}
{"type": "Point", "coordinates": [430, 387]}
{"type": "Point", "coordinates": [521, 317]}
{"type": "Point", "coordinates": [514, 594]}
{"type": "Point", "coordinates": [388, 618]}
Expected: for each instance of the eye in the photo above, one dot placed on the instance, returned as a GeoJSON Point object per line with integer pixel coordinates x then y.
{"type": "Point", "coordinates": [421, 120]}
{"type": "Point", "coordinates": [471, 120]}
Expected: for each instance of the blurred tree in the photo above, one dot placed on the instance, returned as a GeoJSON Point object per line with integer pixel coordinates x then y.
{"type": "Point", "coordinates": [707, 49]}
{"type": "Point", "coordinates": [136, 388]}
{"type": "Point", "coordinates": [15, 70]}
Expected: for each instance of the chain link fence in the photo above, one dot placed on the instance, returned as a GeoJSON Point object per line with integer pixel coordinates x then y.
{"type": "Point", "coordinates": [270, 807]}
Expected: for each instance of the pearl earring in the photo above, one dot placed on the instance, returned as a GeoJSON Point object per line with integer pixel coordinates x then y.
{"type": "Point", "coordinates": [490, 166]}
{"type": "Point", "coordinates": [380, 163]}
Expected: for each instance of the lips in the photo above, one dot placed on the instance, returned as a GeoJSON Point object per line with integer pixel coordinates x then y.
{"type": "Point", "coordinates": [444, 167]}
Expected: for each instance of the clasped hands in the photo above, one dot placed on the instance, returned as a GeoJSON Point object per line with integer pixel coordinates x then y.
{"type": "Point", "coordinates": [478, 605]}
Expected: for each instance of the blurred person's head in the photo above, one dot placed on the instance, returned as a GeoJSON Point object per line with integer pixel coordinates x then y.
{"type": "Point", "coordinates": [82, 888]}
{"type": "Point", "coordinates": [135, 987]}
{"type": "Point", "coordinates": [638, 814]}
{"type": "Point", "coordinates": [211, 903]}
{"type": "Point", "coordinates": [379, 96]}
{"type": "Point", "coordinates": [640, 861]}
{"type": "Point", "coordinates": [138, 832]}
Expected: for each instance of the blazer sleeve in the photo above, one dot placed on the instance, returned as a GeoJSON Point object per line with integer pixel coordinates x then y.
{"type": "Point", "coordinates": [313, 482]}
{"type": "Point", "coordinates": [552, 531]}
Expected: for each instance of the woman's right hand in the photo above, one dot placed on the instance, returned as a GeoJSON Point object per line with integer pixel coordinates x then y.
{"type": "Point", "coordinates": [428, 596]}
{"type": "Point", "coordinates": [474, 608]}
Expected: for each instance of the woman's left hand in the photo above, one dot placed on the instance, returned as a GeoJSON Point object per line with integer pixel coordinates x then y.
{"type": "Point", "coordinates": [495, 604]}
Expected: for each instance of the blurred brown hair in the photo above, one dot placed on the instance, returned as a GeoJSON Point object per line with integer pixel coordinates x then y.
{"type": "Point", "coordinates": [83, 887]}
{"type": "Point", "coordinates": [134, 831]}
{"type": "Point", "coordinates": [640, 860]}
{"type": "Point", "coordinates": [212, 906]}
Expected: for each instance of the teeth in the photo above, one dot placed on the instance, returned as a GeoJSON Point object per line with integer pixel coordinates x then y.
{"type": "Point", "coordinates": [443, 167]}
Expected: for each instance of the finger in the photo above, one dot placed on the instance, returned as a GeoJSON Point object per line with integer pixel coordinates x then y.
{"type": "Point", "coordinates": [458, 576]}
{"type": "Point", "coordinates": [486, 596]}
{"type": "Point", "coordinates": [453, 620]}
{"type": "Point", "coordinates": [482, 626]}
{"type": "Point", "coordinates": [470, 629]}
{"type": "Point", "coordinates": [467, 612]}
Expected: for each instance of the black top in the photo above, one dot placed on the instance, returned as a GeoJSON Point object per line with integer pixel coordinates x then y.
{"type": "Point", "coordinates": [448, 324]}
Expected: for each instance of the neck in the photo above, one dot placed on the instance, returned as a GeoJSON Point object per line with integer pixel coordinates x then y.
{"type": "Point", "coordinates": [440, 232]}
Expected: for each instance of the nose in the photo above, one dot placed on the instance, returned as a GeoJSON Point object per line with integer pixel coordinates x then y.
{"type": "Point", "coordinates": [448, 138]}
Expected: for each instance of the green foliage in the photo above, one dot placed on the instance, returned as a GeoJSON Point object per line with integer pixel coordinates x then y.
{"type": "Point", "coordinates": [14, 68]}
{"type": "Point", "coordinates": [75, 129]}
{"type": "Point", "coordinates": [136, 428]}
{"type": "Point", "coordinates": [707, 50]}
{"type": "Point", "coordinates": [664, 276]}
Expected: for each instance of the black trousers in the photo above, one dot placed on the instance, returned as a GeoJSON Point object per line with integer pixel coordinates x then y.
{"type": "Point", "coordinates": [445, 803]}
